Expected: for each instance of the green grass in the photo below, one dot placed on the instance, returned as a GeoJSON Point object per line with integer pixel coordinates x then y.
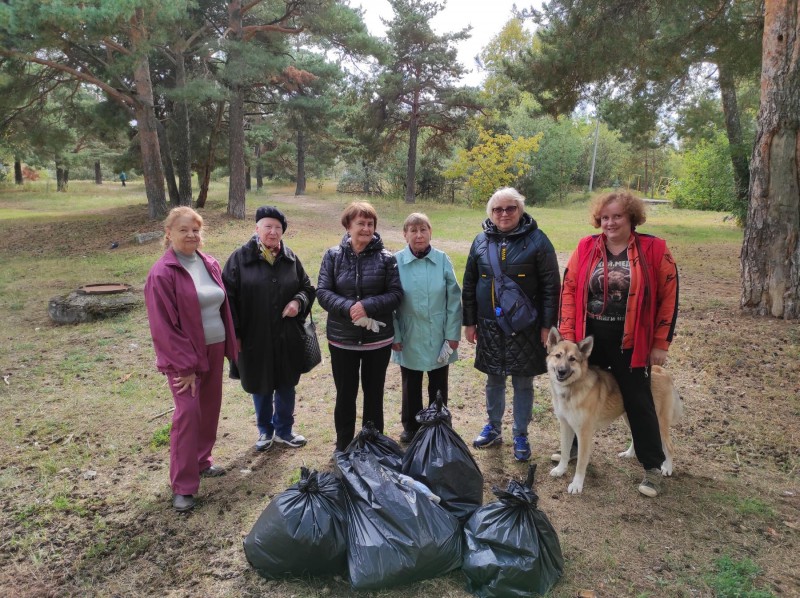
{"type": "Point", "coordinates": [161, 436]}
{"type": "Point", "coordinates": [736, 579]}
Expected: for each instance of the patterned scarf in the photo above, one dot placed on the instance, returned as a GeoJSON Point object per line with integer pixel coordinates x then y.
{"type": "Point", "coordinates": [269, 255]}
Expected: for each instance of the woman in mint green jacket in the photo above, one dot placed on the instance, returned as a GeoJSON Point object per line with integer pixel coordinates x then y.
{"type": "Point", "coordinates": [427, 325]}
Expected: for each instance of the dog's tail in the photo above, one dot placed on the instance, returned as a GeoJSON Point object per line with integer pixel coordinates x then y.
{"type": "Point", "coordinates": [677, 406]}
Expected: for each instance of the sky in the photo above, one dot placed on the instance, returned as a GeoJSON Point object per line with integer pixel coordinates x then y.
{"type": "Point", "coordinates": [487, 18]}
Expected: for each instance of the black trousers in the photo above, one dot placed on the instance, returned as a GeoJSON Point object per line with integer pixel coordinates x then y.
{"type": "Point", "coordinates": [412, 393]}
{"type": "Point", "coordinates": [634, 383]}
{"type": "Point", "coordinates": [346, 366]}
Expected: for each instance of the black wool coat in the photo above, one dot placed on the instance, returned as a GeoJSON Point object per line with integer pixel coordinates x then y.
{"type": "Point", "coordinates": [272, 346]}
{"type": "Point", "coordinates": [530, 262]}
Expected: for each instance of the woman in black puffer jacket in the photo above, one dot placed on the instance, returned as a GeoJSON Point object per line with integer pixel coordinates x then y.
{"type": "Point", "coordinates": [528, 258]}
{"type": "Point", "coordinates": [359, 287]}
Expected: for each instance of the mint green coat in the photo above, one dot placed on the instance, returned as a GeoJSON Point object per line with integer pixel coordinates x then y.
{"type": "Point", "coordinates": [430, 311]}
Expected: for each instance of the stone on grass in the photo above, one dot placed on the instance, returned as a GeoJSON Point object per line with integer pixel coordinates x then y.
{"type": "Point", "coordinates": [93, 302]}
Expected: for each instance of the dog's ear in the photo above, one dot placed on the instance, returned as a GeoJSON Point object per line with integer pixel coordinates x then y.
{"type": "Point", "coordinates": [553, 338]}
{"type": "Point", "coordinates": [586, 346]}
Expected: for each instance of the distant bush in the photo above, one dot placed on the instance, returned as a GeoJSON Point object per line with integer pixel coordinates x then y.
{"type": "Point", "coordinates": [706, 178]}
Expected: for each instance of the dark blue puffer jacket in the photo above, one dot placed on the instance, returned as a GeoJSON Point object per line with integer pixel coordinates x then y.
{"type": "Point", "coordinates": [531, 262]}
{"type": "Point", "coordinates": [370, 277]}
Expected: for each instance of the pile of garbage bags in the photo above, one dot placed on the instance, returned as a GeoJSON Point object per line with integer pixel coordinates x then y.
{"type": "Point", "coordinates": [387, 517]}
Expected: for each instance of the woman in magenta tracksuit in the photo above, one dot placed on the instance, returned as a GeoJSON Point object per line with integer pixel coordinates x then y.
{"type": "Point", "coordinates": [192, 330]}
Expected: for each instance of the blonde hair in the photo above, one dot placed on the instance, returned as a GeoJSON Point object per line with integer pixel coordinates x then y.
{"type": "Point", "coordinates": [506, 193]}
{"type": "Point", "coordinates": [180, 212]}
{"type": "Point", "coordinates": [633, 206]}
{"type": "Point", "coordinates": [416, 219]}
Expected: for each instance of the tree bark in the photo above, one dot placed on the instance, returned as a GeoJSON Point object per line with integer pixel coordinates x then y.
{"type": "Point", "coordinates": [98, 173]}
{"type": "Point", "coordinates": [147, 124]}
{"type": "Point", "coordinates": [236, 186]}
{"type": "Point", "coordinates": [300, 189]}
{"type": "Point", "coordinates": [259, 168]}
{"type": "Point", "coordinates": [733, 128]}
{"type": "Point", "coordinates": [183, 151]}
{"type": "Point", "coordinates": [18, 179]}
{"type": "Point", "coordinates": [411, 169]}
{"type": "Point", "coordinates": [166, 162]}
{"type": "Point", "coordinates": [61, 184]}
{"type": "Point", "coordinates": [770, 258]}
{"type": "Point", "coordinates": [204, 176]}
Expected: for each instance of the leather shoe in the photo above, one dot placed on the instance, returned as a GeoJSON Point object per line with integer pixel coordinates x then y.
{"type": "Point", "coordinates": [183, 502]}
{"type": "Point", "coordinates": [212, 472]}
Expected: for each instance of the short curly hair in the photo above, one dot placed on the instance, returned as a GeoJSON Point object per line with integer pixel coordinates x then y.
{"type": "Point", "coordinates": [179, 212]}
{"type": "Point", "coordinates": [633, 206]}
{"type": "Point", "coordinates": [356, 209]}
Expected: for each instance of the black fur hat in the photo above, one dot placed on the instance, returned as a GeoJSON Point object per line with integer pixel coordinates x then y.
{"type": "Point", "coordinates": [271, 212]}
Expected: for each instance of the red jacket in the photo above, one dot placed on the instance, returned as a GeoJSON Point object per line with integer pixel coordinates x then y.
{"type": "Point", "coordinates": [652, 307]}
{"type": "Point", "coordinates": [176, 324]}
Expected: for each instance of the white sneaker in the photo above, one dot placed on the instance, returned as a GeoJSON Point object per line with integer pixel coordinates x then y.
{"type": "Point", "coordinates": [263, 442]}
{"type": "Point", "coordinates": [292, 440]}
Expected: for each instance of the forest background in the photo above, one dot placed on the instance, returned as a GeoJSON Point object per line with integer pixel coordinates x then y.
{"type": "Point", "coordinates": [214, 103]}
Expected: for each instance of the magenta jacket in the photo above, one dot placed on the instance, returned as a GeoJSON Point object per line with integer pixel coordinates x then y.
{"type": "Point", "coordinates": [174, 313]}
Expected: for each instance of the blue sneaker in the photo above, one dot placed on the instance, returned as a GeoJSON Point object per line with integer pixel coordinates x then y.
{"type": "Point", "coordinates": [489, 436]}
{"type": "Point", "coordinates": [522, 449]}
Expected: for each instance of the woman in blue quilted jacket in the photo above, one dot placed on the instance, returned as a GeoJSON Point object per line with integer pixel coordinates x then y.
{"type": "Point", "coordinates": [526, 256]}
{"type": "Point", "coordinates": [359, 286]}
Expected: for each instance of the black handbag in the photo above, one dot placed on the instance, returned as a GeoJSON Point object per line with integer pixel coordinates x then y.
{"type": "Point", "coordinates": [312, 355]}
{"type": "Point", "coordinates": [512, 307]}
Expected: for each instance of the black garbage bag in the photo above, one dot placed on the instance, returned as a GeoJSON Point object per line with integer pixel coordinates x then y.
{"type": "Point", "coordinates": [438, 457]}
{"type": "Point", "coordinates": [396, 535]}
{"type": "Point", "coordinates": [512, 548]}
{"type": "Point", "coordinates": [302, 531]}
{"type": "Point", "coordinates": [388, 452]}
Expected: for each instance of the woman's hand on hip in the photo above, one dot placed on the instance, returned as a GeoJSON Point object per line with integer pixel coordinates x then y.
{"type": "Point", "coordinates": [471, 333]}
{"type": "Point", "coordinates": [658, 356]}
{"type": "Point", "coordinates": [397, 347]}
{"type": "Point", "coordinates": [357, 311]}
{"type": "Point", "coordinates": [184, 382]}
{"type": "Point", "coordinates": [292, 309]}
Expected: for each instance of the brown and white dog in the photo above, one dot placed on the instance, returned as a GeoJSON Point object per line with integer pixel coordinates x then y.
{"type": "Point", "coordinates": [587, 398]}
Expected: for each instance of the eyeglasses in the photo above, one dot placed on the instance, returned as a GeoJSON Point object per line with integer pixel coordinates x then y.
{"type": "Point", "coordinates": [507, 210]}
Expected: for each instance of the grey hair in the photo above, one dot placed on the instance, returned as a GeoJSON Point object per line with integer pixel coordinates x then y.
{"type": "Point", "coordinates": [506, 193]}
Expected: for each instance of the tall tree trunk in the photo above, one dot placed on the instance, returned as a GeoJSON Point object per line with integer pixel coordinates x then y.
{"type": "Point", "coordinates": [152, 172]}
{"type": "Point", "coordinates": [61, 185]}
{"type": "Point", "coordinates": [98, 173]}
{"type": "Point", "coordinates": [300, 189]}
{"type": "Point", "coordinates": [18, 179]}
{"type": "Point", "coordinates": [248, 179]}
{"type": "Point", "coordinates": [771, 250]}
{"type": "Point", "coordinates": [259, 168]}
{"type": "Point", "coordinates": [166, 162]}
{"type": "Point", "coordinates": [733, 128]}
{"type": "Point", "coordinates": [183, 151]}
{"type": "Point", "coordinates": [236, 187]}
{"type": "Point", "coordinates": [365, 186]}
{"type": "Point", "coordinates": [204, 176]}
{"type": "Point", "coordinates": [411, 169]}
{"type": "Point", "coordinates": [66, 179]}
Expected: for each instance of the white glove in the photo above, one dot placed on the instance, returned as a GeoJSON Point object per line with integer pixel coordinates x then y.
{"type": "Point", "coordinates": [369, 324]}
{"type": "Point", "coordinates": [445, 353]}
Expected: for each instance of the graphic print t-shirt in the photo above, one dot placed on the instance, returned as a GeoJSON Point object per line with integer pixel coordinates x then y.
{"type": "Point", "coordinates": [611, 308]}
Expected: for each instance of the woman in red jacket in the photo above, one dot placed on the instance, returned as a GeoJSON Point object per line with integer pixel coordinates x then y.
{"type": "Point", "coordinates": [192, 329]}
{"type": "Point", "coordinates": [622, 287]}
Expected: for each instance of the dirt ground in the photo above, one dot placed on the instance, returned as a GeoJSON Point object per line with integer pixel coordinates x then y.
{"type": "Point", "coordinates": [84, 496]}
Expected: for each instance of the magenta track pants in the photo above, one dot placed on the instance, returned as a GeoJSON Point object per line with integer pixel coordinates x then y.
{"type": "Point", "coordinates": [194, 425]}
